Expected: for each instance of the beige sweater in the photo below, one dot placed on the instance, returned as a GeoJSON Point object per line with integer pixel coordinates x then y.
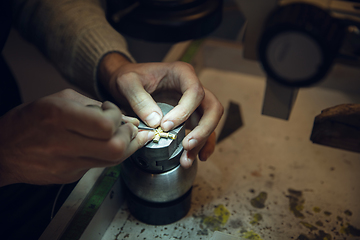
{"type": "Point", "coordinates": [73, 34]}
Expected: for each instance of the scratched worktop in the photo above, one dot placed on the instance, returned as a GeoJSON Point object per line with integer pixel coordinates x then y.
{"type": "Point", "coordinates": [266, 180]}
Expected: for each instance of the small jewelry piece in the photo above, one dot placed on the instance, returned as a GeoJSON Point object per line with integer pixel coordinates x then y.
{"type": "Point", "coordinates": [159, 133]}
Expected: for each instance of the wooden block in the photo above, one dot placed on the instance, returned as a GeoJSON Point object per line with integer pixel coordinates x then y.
{"type": "Point", "coordinates": [338, 127]}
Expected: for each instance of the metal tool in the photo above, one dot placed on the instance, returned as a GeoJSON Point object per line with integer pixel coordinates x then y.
{"type": "Point", "coordinates": [142, 126]}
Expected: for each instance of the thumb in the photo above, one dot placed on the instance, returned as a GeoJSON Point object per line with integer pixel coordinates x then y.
{"type": "Point", "coordinates": [140, 101]}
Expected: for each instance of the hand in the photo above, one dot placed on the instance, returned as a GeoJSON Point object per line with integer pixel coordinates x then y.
{"type": "Point", "coordinates": [56, 139]}
{"type": "Point", "coordinates": [136, 82]}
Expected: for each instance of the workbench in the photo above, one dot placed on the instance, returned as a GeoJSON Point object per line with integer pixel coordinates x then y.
{"type": "Point", "coordinates": [266, 180]}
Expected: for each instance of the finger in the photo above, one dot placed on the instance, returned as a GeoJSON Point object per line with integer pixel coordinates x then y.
{"type": "Point", "coordinates": [193, 94]}
{"type": "Point", "coordinates": [208, 148]}
{"type": "Point", "coordinates": [132, 120]}
{"type": "Point", "coordinates": [212, 112]}
{"type": "Point", "coordinates": [110, 111]}
{"type": "Point", "coordinates": [96, 107]}
{"type": "Point", "coordinates": [141, 139]}
{"type": "Point", "coordinates": [107, 150]}
{"type": "Point", "coordinates": [188, 157]}
{"type": "Point", "coordinates": [91, 121]}
{"type": "Point", "coordinates": [185, 160]}
{"type": "Point", "coordinates": [140, 101]}
{"type": "Point", "coordinates": [70, 94]}
{"type": "Point", "coordinates": [204, 151]}
{"type": "Point", "coordinates": [124, 143]}
{"type": "Point", "coordinates": [113, 113]}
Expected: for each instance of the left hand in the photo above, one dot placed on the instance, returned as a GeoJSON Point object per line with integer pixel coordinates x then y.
{"type": "Point", "coordinates": [135, 83]}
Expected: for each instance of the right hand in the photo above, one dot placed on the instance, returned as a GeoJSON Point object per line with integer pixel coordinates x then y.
{"type": "Point", "coordinates": [56, 139]}
{"type": "Point", "coordinates": [134, 83]}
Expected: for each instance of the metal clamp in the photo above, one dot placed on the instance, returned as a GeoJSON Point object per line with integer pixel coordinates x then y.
{"type": "Point", "coordinates": [163, 153]}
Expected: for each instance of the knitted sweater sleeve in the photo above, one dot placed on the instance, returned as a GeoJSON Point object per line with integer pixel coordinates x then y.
{"type": "Point", "coordinates": [73, 34]}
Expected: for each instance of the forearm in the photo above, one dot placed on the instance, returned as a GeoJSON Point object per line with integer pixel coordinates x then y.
{"type": "Point", "coordinates": [74, 35]}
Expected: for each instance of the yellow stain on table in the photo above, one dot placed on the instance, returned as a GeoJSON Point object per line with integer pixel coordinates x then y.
{"type": "Point", "coordinates": [299, 207]}
{"type": "Point", "coordinates": [256, 219]}
{"type": "Point", "coordinates": [215, 223]}
{"type": "Point", "coordinates": [250, 235]}
{"type": "Point", "coordinates": [317, 209]}
{"type": "Point", "coordinates": [309, 226]}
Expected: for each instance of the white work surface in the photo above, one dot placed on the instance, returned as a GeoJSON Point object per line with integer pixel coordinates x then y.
{"type": "Point", "coordinates": [265, 155]}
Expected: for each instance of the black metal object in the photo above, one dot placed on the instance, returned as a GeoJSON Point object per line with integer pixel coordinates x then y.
{"type": "Point", "coordinates": [165, 20]}
{"type": "Point", "coordinates": [159, 189]}
{"type": "Point", "coordinates": [309, 20]}
{"type": "Point", "coordinates": [164, 155]}
{"type": "Point", "coordinates": [233, 121]}
{"type": "Point", "coordinates": [159, 213]}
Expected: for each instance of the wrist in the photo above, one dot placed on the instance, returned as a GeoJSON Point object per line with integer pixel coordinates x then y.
{"type": "Point", "coordinates": [108, 68]}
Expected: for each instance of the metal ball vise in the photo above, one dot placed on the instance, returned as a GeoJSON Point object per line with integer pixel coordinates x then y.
{"type": "Point", "coordinates": [158, 188]}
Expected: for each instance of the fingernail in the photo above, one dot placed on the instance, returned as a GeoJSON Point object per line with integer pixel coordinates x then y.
{"type": "Point", "coordinates": [185, 161]}
{"type": "Point", "coordinates": [192, 143]}
{"type": "Point", "coordinates": [167, 126]}
{"type": "Point", "coordinates": [153, 119]}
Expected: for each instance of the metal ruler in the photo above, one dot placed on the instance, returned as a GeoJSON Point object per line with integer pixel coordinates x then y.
{"type": "Point", "coordinates": [98, 206]}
